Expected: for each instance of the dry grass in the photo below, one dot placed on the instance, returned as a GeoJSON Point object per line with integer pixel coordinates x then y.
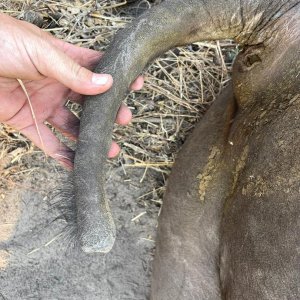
{"type": "Point", "coordinates": [179, 87]}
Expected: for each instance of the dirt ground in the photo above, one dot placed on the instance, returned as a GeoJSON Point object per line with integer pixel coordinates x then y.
{"type": "Point", "coordinates": [37, 260]}
{"type": "Point", "coordinates": [39, 263]}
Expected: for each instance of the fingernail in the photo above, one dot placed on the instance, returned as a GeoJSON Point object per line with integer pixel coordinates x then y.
{"type": "Point", "coordinates": [100, 79]}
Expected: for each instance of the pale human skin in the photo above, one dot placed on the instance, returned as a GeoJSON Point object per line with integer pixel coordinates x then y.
{"type": "Point", "coordinates": [53, 72]}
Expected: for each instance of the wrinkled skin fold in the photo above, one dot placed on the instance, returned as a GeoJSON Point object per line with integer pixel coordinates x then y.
{"type": "Point", "coordinates": [229, 227]}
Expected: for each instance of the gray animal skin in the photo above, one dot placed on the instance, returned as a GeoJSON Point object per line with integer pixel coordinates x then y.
{"type": "Point", "coordinates": [229, 227]}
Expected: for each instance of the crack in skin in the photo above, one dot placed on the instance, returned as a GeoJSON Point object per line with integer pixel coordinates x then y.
{"type": "Point", "coordinates": [266, 24]}
{"type": "Point", "coordinates": [242, 15]}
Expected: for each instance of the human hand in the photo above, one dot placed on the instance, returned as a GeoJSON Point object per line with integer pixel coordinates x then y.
{"type": "Point", "coordinates": [52, 71]}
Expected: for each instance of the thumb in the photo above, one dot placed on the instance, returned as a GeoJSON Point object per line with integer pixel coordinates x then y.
{"type": "Point", "coordinates": [76, 77]}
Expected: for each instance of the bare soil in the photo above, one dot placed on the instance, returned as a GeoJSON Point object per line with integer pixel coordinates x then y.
{"type": "Point", "coordinates": [37, 261]}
